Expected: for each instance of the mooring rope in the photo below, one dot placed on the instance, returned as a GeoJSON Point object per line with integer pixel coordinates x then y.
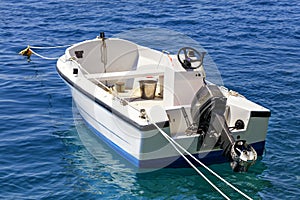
{"type": "Point", "coordinates": [174, 144]}
{"type": "Point", "coordinates": [52, 47]}
{"type": "Point", "coordinates": [43, 57]}
{"type": "Point", "coordinates": [28, 52]}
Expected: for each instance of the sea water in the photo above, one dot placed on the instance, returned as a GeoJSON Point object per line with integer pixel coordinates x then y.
{"type": "Point", "coordinates": [254, 44]}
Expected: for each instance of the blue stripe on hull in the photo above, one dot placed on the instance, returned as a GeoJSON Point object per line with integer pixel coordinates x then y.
{"type": "Point", "coordinates": [214, 157]}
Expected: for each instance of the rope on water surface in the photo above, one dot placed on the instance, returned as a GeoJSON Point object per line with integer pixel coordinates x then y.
{"type": "Point", "coordinates": [175, 145]}
{"type": "Point", "coordinates": [43, 57]}
{"type": "Point", "coordinates": [28, 52]}
{"type": "Point", "coordinates": [54, 47]}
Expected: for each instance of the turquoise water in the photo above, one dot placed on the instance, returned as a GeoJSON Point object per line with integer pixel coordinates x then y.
{"type": "Point", "coordinates": [255, 45]}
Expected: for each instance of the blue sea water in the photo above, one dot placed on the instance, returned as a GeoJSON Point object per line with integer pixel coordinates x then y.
{"type": "Point", "coordinates": [255, 44]}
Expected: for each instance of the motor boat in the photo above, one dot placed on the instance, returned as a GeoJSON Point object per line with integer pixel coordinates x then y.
{"type": "Point", "coordinates": [139, 100]}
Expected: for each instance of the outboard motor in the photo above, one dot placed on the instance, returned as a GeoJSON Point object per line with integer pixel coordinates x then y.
{"type": "Point", "coordinates": [207, 110]}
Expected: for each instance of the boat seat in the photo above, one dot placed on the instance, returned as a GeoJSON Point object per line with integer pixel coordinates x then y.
{"type": "Point", "coordinates": [125, 74]}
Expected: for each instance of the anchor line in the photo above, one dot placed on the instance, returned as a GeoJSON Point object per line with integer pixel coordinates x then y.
{"type": "Point", "coordinates": [190, 163]}
{"type": "Point", "coordinates": [28, 51]}
{"type": "Point", "coordinates": [175, 145]}
{"type": "Point", "coordinates": [54, 47]}
{"type": "Point", "coordinates": [43, 57]}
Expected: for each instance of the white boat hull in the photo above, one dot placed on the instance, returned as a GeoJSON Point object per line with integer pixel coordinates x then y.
{"type": "Point", "coordinates": [132, 136]}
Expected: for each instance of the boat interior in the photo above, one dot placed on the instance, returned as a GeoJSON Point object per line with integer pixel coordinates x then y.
{"type": "Point", "coordinates": [142, 76]}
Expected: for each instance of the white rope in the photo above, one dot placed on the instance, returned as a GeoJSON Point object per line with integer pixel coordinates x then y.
{"type": "Point", "coordinates": [55, 47]}
{"type": "Point", "coordinates": [44, 57]}
{"type": "Point", "coordinates": [214, 173]}
{"type": "Point", "coordinates": [173, 143]}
